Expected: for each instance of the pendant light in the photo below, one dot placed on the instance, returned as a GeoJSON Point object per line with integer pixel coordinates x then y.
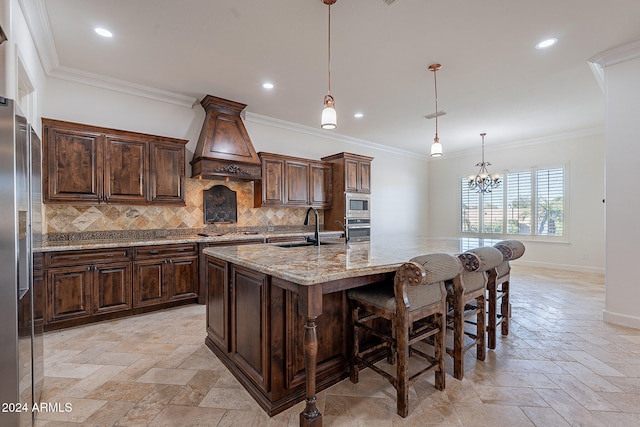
{"type": "Point", "coordinates": [483, 182]}
{"type": "Point", "coordinates": [329, 116]}
{"type": "Point", "coordinates": [436, 147]}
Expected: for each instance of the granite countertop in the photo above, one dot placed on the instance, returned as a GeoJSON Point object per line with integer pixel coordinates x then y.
{"type": "Point", "coordinates": [309, 265]}
{"type": "Point", "coordinates": [69, 245]}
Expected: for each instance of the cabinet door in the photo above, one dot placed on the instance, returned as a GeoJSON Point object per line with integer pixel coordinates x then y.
{"type": "Point", "coordinates": [364, 174]}
{"type": "Point", "coordinates": [297, 182]}
{"type": "Point", "coordinates": [167, 173]}
{"type": "Point", "coordinates": [320, 194]}
{"type": "Point", "coordinates": [125, 171]}
{"type": "Point", "coordinates": [249, 324]}
{"type": "Point", "coordinates": [272, 183]}
{"type": "Point", "coordinates": [148, 282]}
{"type": "Point", "coordinates": [69, 293]}
{"type": "Point", "coordinates": [351, 175]}
{"type": "Point", "coordinates": [112, 287]}
{"type": "Point", "coordinates": [184, 278]}
{"type": "Point", "coordinates": [73, 168]}
{"type": "Point", "coordinates": [217, 303]}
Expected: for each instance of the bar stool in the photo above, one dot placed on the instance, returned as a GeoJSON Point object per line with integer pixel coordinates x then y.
{"type": "Point", "coordinates": [466, 295]}
{"type": "Point", "coordinates": [498, 290]}
{"type": "Point", "coordinates": [417, 294]}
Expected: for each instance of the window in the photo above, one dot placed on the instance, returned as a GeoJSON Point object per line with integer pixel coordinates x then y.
{"type": "Point", "coordinates": [527, 203]}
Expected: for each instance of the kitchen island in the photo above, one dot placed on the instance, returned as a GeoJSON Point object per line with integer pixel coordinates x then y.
{"type": "Point", "coordinates": [277, 316]}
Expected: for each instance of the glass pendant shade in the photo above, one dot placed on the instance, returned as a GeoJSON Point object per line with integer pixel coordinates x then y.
{"type": "Point", "coordinates": [329, 116]}
{"type": "Point", "coordinates": [436, 148]}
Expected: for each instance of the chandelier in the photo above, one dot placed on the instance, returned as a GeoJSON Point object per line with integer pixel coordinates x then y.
{"type": "Point", "coordinates": [484, 182]}
{"type": "Point", "coordinates": [329, 116]}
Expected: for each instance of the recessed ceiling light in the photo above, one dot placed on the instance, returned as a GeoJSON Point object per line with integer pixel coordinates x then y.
{"type": "Point", "coordinates": [103, 32]}
{"type": "Point", "coordinates": [358, 115]}
{"type": "Point", "coordinates": [547, 43]}
{"type": "Point", "coordinates": [267, 85]}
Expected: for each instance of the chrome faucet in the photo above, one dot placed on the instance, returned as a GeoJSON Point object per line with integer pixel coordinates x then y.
{"type": "Point", "coordinates": [316, 235]}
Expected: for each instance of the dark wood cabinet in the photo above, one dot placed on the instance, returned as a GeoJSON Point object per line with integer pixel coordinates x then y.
{"type": "Point", "coordinates": [320, 194]}
{"type": "Point", "coordinates": [149, 283]}
{"type": "Point", "coordinates": [164, 273]}
{"type": "Point", "coordinates": [87, 165]}
{"type": "Point", "coordinates": [167, 173]}
{"type": "Point", "coordinates": [111, 287]}
{"type": "Point", "coordinates": [352, 173]}
{"type": "Point", "coordinates": [81, 284]}
{"type": "Point", "coordinates": [69, 292]}
{"type": "Point", "coordinates": [217, 303]}
{"type": "Point", "coordinates": [249, 324]}
{"type": "Point", "coordinates": [293, 182]}
{"type": "Point", "coordinates": [86, 286]}
{"type": "Point", "coordinates": [296, 179]}
{"type": "Point", "coordinates": [72, 164]}
{"type": "Point", "coordinates": [125, 171]}
{"type": "Point", "coordinates": [255, 327]}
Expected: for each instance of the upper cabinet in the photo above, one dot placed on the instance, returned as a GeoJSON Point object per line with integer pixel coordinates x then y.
{"type": "Point", "coordinates": [292, 181]}
{"type": "Point", "coordinates": [352, 172]}
{"type": "Point", "coordinates": [86, 165]}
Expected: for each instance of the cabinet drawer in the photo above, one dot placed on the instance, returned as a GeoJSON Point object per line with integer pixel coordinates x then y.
{"type": "Point", "coordinates": [165, 251]}
{"type": "Point", "coordinates": [69, 258]}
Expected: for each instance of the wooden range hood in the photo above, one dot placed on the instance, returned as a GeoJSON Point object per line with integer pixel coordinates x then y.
{"type": "Point", "coordinates": [224, 149]}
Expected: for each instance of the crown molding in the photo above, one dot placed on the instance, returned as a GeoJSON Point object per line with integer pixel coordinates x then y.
{"type": "Point", "coordinates": [116, 85]}
{"type": "Point", "coordinates": [295, 127]}
{"type": "Point", "coordinates": [564, 136]}
{"type": "Point", "coordinates": [35, 13]}
{"type": "Point", "coordinates": [617, 55]}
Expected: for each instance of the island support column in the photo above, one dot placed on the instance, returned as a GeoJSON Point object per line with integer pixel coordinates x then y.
{"type": "Point", "coordinates": [310, 306]}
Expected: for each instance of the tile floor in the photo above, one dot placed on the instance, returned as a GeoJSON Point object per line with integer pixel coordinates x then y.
{"type": "Point", "coordinates": [561, 365]}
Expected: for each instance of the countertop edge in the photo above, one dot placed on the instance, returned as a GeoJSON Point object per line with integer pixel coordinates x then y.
{"type": "Point", "coordinates": [75, 245]}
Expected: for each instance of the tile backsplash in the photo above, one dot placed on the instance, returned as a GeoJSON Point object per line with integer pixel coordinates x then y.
{"type": "Point", "coordinates": [64, 218]}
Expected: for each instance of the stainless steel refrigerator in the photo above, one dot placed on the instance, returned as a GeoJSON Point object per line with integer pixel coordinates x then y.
{"type": "Point", "coordinates": [21, 297]}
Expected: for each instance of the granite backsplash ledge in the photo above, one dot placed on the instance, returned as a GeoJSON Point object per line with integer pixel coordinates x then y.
{"type": "Point", "coordinates": [66, 220]}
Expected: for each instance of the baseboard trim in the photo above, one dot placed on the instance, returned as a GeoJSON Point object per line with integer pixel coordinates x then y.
{"type": "Point", "coordinates": [621, 319]}
{"type": "Point", "coordinates": [568, 267]}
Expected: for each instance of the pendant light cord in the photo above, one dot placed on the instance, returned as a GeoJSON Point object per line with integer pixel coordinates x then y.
{"type": "Point", "coordinates": [329, 53]}
{"type": "Point", "coordinates": [435, 85]}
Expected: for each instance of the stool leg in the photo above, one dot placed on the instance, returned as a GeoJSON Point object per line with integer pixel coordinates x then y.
{"type": "Point", "coordinates": [492, 315]}
{"type": "Point", "coordinates": [505, 308]}
{"type": "Point", "coordinates": [481, 316]}
{"type": "Point", "coordinates": [354, 371]}
{"type": "Point", "coordinates": [402, 366]}
{"type": "Point", "coordinates": [439, 347]}
{"type": "Point", "coordinates": [458, 336]}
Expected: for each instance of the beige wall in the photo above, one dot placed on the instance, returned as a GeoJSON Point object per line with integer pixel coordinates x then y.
{"type": "Point", "coordinates": [582, 155]}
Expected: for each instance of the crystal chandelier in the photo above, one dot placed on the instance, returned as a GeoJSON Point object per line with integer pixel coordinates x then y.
{"type": "Point", "coordinates": [484, 182]}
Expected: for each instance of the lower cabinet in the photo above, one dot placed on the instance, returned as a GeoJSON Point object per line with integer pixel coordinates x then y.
{"type": "Point", "coordinates": [69, 293]}
{"type": "Point", "coordinates": [249, 324]}
{"type": "Point", "coordinates": [86, 286]}
{"type": "Point", "coordinates": [165, 273]}
{"type": "Point", "coordinates": [82, 284]}
{"type": "Point", "coordinates": [111, 287]}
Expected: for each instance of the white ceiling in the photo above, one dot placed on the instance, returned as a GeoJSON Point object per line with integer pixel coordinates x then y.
{"type": "Point", "coordinates": [492, 79]}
